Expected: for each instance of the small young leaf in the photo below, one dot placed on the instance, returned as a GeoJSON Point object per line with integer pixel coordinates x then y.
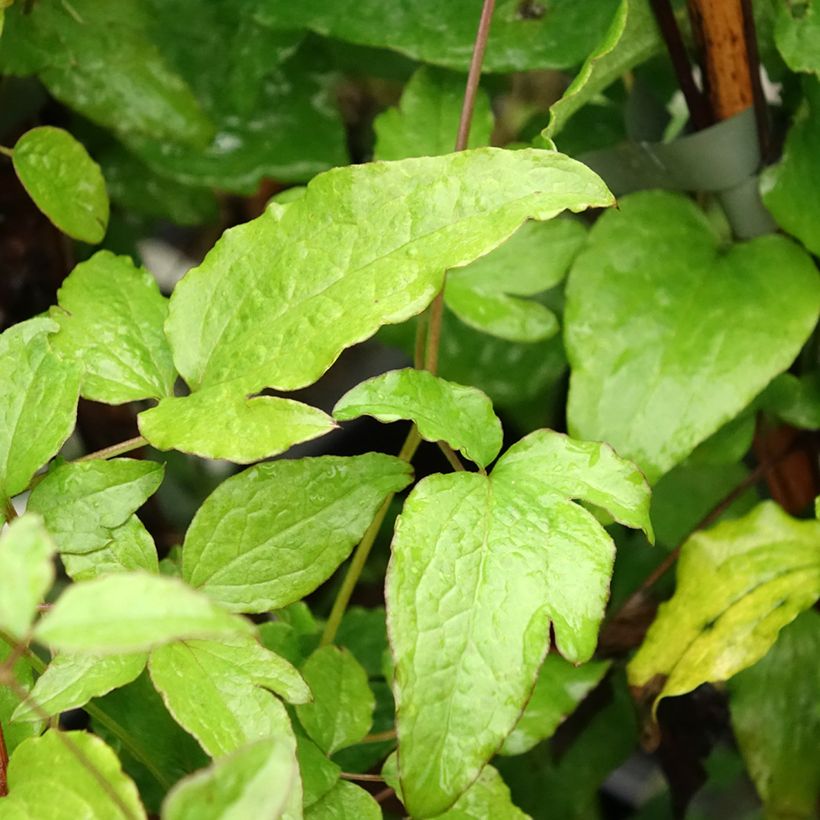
{"type": "Point", "coordinates": [217, 692]}
{"type": "Point", "coordinates": [443, 411]}
{"type": "Point", "coordinates": [83, 502]}
{"type": "Point", "coordinates": [659, 360]}
{"type": "Point", "coordinates": [559, 689]}
{"type": "Point", "coordinates": [38, 402]}
{"type": "Point", "coordinates": [70, 681]}
{"type": "Point", "coordinates": [10, 699]}
{"type": "Point", "coordinates": [223, 422]}
{"type": "Point", "coordinates": [427, 117]}
{"type": "Point", "coordinates": [341, 712]}
{"type": "Point", "coordinates": [738, 584]}
{"type": "Point", "coordinates": [46, 778]}
{"type": "Point", "coordinates": [131, 612]}
{"type": "Point", "coordinates": [64, 182]}
{"type": "Point", "coordinates": [776, 720]}
{"type": "Point", "coordinates": [256, 781]}
{"type": "Point", "coordinates": [481, 567]}
{"type": "Point", "coordinates": [345, 801]}
{"type": "Point", "coordinates": [26, 573]}
{"type": "Point", "coordinates": [111, 316]}
{"type": "Point", "coordinates": [274, 533]}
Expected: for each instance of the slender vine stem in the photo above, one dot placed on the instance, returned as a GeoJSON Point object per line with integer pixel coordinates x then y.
{"type": "Point", "coordinates": [6, 152]}
{"type": "Point", "coordinates": [4, 765]}
{"type": "Point", "coordinates": [118, 449]}
{"type": "Point", "coordinates": [8, 510]}
{"type": "Point", "coordinates": [451, 456]}
{"type": "Point", "coordinates": [365, 778]}
{"type": "Point", "coordinates": [425, 348]}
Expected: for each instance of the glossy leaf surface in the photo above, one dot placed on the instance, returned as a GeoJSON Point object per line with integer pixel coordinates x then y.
{"type": "Point", "coordinates": [70, 681]}
{"type": "Point", "coordinates": [64, 182]}
{"type": "Point", "coordinates": [481, 567]}
{"type": "Point", "coordinates": [254, 782]}
{"type": "Point", "coordinates": [130, 612]}
{"type": "Point", "coordinates": [341, 712]}
{"type": "Point", "coordinates": [442, 411]}
{"type": "Point", "coordinates": [111, 320]}
{"type": "Point", "coordinates": [776, 720]}
{"type": "Point", "coordinates": [38, 402]}
{"type": "Point", "coordinates": [218, 691]}
{"type": "Point", "coordinates": [275, 532]}
{"type": "Point", "coordinates": [738, 584]}
{"type": "Point", "coordinates": [651, 375]}
{"type": "Point", "coordinates": [365, 246]}
{"type": "Point", "coordinates": [83, 502]}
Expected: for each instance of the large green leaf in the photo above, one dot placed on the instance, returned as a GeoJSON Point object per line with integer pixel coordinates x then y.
{"type": "Point", "coordinates": [797, 34]}
{"type": "Point", "coordinates": [274, 533]}
{"type": "Point", "coordinates": [345, 801]}
{"type": "Point", "coordinates": [777, 722]}
{"type": "Point", "coordinates": [131, 612]}
{"type": "Point", "coordinates": [738, 584]}
{"type": "Point", "coordinates": [58, 776]}
{"type": "Point", "coordinates": [425, 122]}
{"type": "Point", "coordinates": [660, 359]}
{"type": "Point", "coordinates": [254, 782]}
{"type": "Point", "coordinates": [70, 681]}
{"type": "Point", "coordinates": [10, 700]}
{"type": "Point", "coordinates": [97, 58]}
{"type": "Point", "coordinates": [278, 298]}
{"type": "Point", "coordinates": [219, 692]}
{"type": "Point", "coordinates": [559, 689]}
{"type": "Point", "coordinates": [341, 712]}
{"type": "Point", "coordinates": [632, 38]}
{"type": "Point", "coordinates": [481, 570]}
{"type": "Point", "coordinates": [223, 422]}
{"type": "Point", "coordinates": [64, 182]}
{"type": "Point", "coordinates": [26, 573]}
{"type": "Point", "coordinates": [82, 502]}
{"type": "Point", "coordinates": [38, 402]}
{"type": "Point", "coordinates": [111, 315]}
{"type": "Point", "coordinates": [791, 188]}
{"type": "Point", "coordinates": [522, 37]}
{"type": "Point", "coordinates": [443, 411]}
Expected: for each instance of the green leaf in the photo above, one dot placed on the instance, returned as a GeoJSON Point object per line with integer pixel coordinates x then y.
{"type": "Point", "coordinates": [481, 567]}
{"type": "Point", "coordinates": [131, 548]}
{"type": "Point", "coordinates": [131, 612]}
{"type": "Point", "coordinates": [797, 34]}
{"type": "Point", "coordinates": [64, 182]}
{"type": "Point", "coordinates": [38, 402]}
{"type": "Point", "coordinates": [273, 533]}
{"type": "Point", "coordinates": [218, 691]}
{"type": "Point", "coordinates": [254, 782]}
{"type": "Point", "coordinates": [364, 633]}
{"type": "Point", "coordinates": [97, 58]}
{"type": "Point", "coordinates": [341, 712]}
{"type": "Point", "coordinates": [365, 246]}
{"type": "Point", "coordinates": [426, 120]}
{"type": "Point", "coordinates": [345, 801]}
{"type": "Point", "coordinates": [319, 774]}
{"type": "Point", "coordinates": [56, 776]}
{"type": "Point", "coordinates": [559, 689]}
{"type": "Point", "coordinates": [738, 584]}
{"type": "Point", "coordinates": [442, 411]}
{"type": "Point", "coordinates": [82, 502]}
{"type": "Point", "coordinates": [223, 422]}
{"type": "Point", "coordinates": [791, 188]}
{"type": "Point", "coordinates": [632, 38]}
{"type": "Point", "coordinates": [70, 681]}
{"type": "Point", "coordinates": [23, 675]}
{"type": "Point", "coordinates": [522, 38]}
{"type": "Point", "coordinates": [111, 316]}
{"type": "Point", "coordinates": [794, 400]}
{"type": "Point", "coordinates": [776, 720]}
{"type": "Point", "coordinates": [26, 573]}
{"type": "Point", "coordinates": [659, 358]}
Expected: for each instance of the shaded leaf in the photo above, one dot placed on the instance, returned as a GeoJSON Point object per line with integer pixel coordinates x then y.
{"type": "Point", "coordinates": [442, 411]}
{"type": "Point", "coordinates": [130, 612]}
{"type": "Point", "coordinates": [341, 712]}
{"type": "Point", "coordinates": [659, 358]}
{"type": "Point", "coordinates": [738, 584]}
{"type": "Point", "coordinates": [64, 182]}
{"type": "Point", "coordinates": [319, 774]}
{"type": "Point", "coordinates": [275, 532]}
{"type": "Point", "coordinates": [23, 675]}
{"type": "Point", "coordinates": [345, 801]}
{"type": "Point", "coordinates": [111, 320]}
{"type": "Point", "coordinates": [794, 400]}
{"type": "Point", "coordinates": [364, 633]}
{"type": "Point", "coordinates": [797, 34]}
